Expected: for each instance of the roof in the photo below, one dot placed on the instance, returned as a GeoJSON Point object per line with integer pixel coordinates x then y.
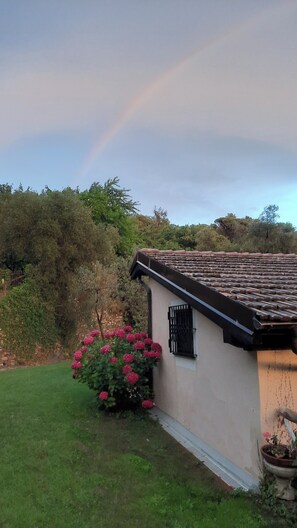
{"type": "Point", "coordinates": [255, 290]}
{"type": "Point", "coordinates": [264, 282]}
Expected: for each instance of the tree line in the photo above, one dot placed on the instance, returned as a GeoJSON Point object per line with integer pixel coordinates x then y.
{"type": "Point", "coordinates": [73, 249]}
{"type": "Point", "coordinates": [229, 233]}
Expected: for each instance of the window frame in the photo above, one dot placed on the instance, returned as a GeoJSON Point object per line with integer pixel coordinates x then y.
{"type": "Point", "coordinates": [181, 318]}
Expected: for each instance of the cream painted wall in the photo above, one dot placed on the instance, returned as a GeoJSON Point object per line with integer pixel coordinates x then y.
{"type": "Point", "coordinates": [215, 396]}
{"type": "Point", "coordinates": [278, 387]}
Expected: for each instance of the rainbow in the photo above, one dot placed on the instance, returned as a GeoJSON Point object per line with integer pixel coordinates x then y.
{"type": "Point", "coordinates": [156, 85]}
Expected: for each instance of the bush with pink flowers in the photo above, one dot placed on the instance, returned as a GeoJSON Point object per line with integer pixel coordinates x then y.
{"type": "Point", "coordinates": [118, 367]}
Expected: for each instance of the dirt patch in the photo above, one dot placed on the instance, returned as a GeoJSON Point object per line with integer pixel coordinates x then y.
{"type": "Point", "coordinates": [7, 360]}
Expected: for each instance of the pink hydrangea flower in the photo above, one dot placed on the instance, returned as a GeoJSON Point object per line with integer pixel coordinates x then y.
{"type": "Point", "coordinates": [130, 338]}
{"type": "Point", "coordinates": [156, 355]}
{"type": "Point", "coordinates": [126, 369]}
{"type": "Point", "coordinates": [108, 335]}
{"type": "Point", "coordinates": [143, 335]}
{"type": "Point", "coordinates": [128, 358]}
{"type": "Point", "coordinates": [88, 340]}
{"type": "Point", "coordinates": [148, 341]}
{"type": "Point", "coordinates": [132, 378]}
{"type": "Point", "coordinates": [156, 347]}
{"type": "Point", "coordinates": [120, 333]}
{"type": "Point", "coordinates": [105, 349]}
{"type": "Point", "coordinates": [147, 404]}
{"type": "Point", "coordinates": [77, 355]}
{"type": "Point", "coordinates": [128, 328]}
{"type": "Point", "coordinates": [138, 335]}
{"type": "Point", "coordinates": [103, 395]}
{"type": "Point", "coordinates": [84, 349]}
{"type": "Point", "coordinates": [95, 333]}
{"type": "Point", "coordinates": [76, 365]}
{"type": "Point", "coordinates": [139, 345]}
{"type": "Point", "coordinates": [151, 354]}
{"type": "Point", "coordinates": [113, 360]}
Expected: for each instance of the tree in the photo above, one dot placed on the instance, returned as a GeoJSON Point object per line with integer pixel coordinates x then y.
{"type": "Point", "coordinates": [232, 227]}
{"type": "Point", "coordinates": [209, 240]}
{"type": "Point", "coordinates": [97, 292]}
{"type": "Point", "coordinates": [54, 234]}
{"type": "Point", "coordinates": [112, 206]}
{"type": "Point", "coordinates": [186, 236]}
{"type": "Point", "coordinates": [5, 190]}
{"type": "Point", "coordinates": [132, 295]}
{"type": "Point", "coordinates": [269, 236]}
{"type": "Point", "coordinates": [269, 214]}
{"type": "Point", "coordinates": [20, 214]}
{"type": "Point", "coordinates": [155, 231]}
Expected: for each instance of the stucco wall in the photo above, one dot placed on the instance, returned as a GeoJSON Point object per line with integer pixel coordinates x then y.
{"type": "Point", "coordinates": [215, 396]}
{"type": "Point", "coordinates": [278, 386]}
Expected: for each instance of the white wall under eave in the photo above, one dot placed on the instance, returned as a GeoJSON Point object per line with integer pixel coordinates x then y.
{"type": "Point", "coordinates": [216, 396]}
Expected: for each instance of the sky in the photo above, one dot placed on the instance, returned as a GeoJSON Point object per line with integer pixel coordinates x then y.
{"type": "Point", "coordinates": [191, 104]}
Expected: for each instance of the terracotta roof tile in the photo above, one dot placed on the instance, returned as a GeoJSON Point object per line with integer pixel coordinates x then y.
{"type": "Point", "coordinates": [263, 282]}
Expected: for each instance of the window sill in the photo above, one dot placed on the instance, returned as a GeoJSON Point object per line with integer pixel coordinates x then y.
{"type": "Point", "coordinates": [185, 362]}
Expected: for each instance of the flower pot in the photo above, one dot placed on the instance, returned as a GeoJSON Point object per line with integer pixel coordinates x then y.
{"type": "Point", "coordinates": [277, 461]}
{"type": "Point", "coordinates": [283, 470]}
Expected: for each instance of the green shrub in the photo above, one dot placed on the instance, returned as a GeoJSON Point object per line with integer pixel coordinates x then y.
{"type": "Point", "coordinates": [118, 368]}
{"type": "Point", "coordinates": [26, 322]}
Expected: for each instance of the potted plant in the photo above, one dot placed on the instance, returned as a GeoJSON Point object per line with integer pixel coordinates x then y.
{"type": "Point", "coordinates": [281, 461]}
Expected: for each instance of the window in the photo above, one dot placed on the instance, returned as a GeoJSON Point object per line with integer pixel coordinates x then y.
{"type": "Point", "coordinates": [181, 330]}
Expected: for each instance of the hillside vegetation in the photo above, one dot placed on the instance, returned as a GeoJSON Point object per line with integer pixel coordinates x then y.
{"type": "Point", "coordinates": [72, 250]}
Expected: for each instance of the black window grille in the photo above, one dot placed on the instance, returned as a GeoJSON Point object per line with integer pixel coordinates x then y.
{"type": "Point", "coordinates": [181, 330]}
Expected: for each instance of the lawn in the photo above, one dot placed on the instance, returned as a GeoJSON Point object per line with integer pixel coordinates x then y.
{"type": "Point", "coordinates": [65, 465]}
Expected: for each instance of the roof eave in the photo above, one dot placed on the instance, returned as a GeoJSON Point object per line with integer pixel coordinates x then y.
{"type": "Point", "coordinates": [240, 325]}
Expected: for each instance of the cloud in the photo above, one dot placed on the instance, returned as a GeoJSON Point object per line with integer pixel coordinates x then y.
{"type": "Point", "coordinates": [86, 74]}
{"type": "Point", "coordinates": [198, 177]}
{"type": "Point", "coordinates": [47, 100]}
{"type": "Point", "coordinates": [215, 135]}
{"type": "Point", "coordinates": [173, 98]}
{"type": "Point", "coordinates": [244, 87]}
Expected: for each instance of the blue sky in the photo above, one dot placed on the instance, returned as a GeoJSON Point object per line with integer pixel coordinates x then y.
{"type": "Point", "coordinates": [191, 104]}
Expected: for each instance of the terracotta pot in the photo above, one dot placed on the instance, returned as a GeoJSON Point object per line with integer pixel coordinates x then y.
{"type": "Point", "coordinates": [279, 462]}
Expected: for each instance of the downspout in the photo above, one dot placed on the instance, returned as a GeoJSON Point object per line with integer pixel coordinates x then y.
{"type": "Point", "coordinates": [149, 305]}
{"type": "Point", "coordinates": [294, 340]}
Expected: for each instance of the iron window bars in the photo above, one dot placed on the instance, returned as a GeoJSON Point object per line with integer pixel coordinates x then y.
{"type": "Point", "coordinates": [181, 330]}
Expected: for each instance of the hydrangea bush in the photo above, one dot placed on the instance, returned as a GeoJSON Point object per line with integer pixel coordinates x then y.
{"type": "Point", "coordinates": [118, 367]}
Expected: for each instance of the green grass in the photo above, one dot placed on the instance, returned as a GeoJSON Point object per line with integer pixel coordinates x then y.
{"type": "Point", "coordinates": [65, 465]}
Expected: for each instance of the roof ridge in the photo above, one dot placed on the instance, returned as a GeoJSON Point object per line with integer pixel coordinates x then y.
{"type": "Point", "coordinates": [228, 253]}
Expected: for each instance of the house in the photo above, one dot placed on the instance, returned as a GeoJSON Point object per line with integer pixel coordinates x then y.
{"type": "Point", "coordinates": [227, 323]}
